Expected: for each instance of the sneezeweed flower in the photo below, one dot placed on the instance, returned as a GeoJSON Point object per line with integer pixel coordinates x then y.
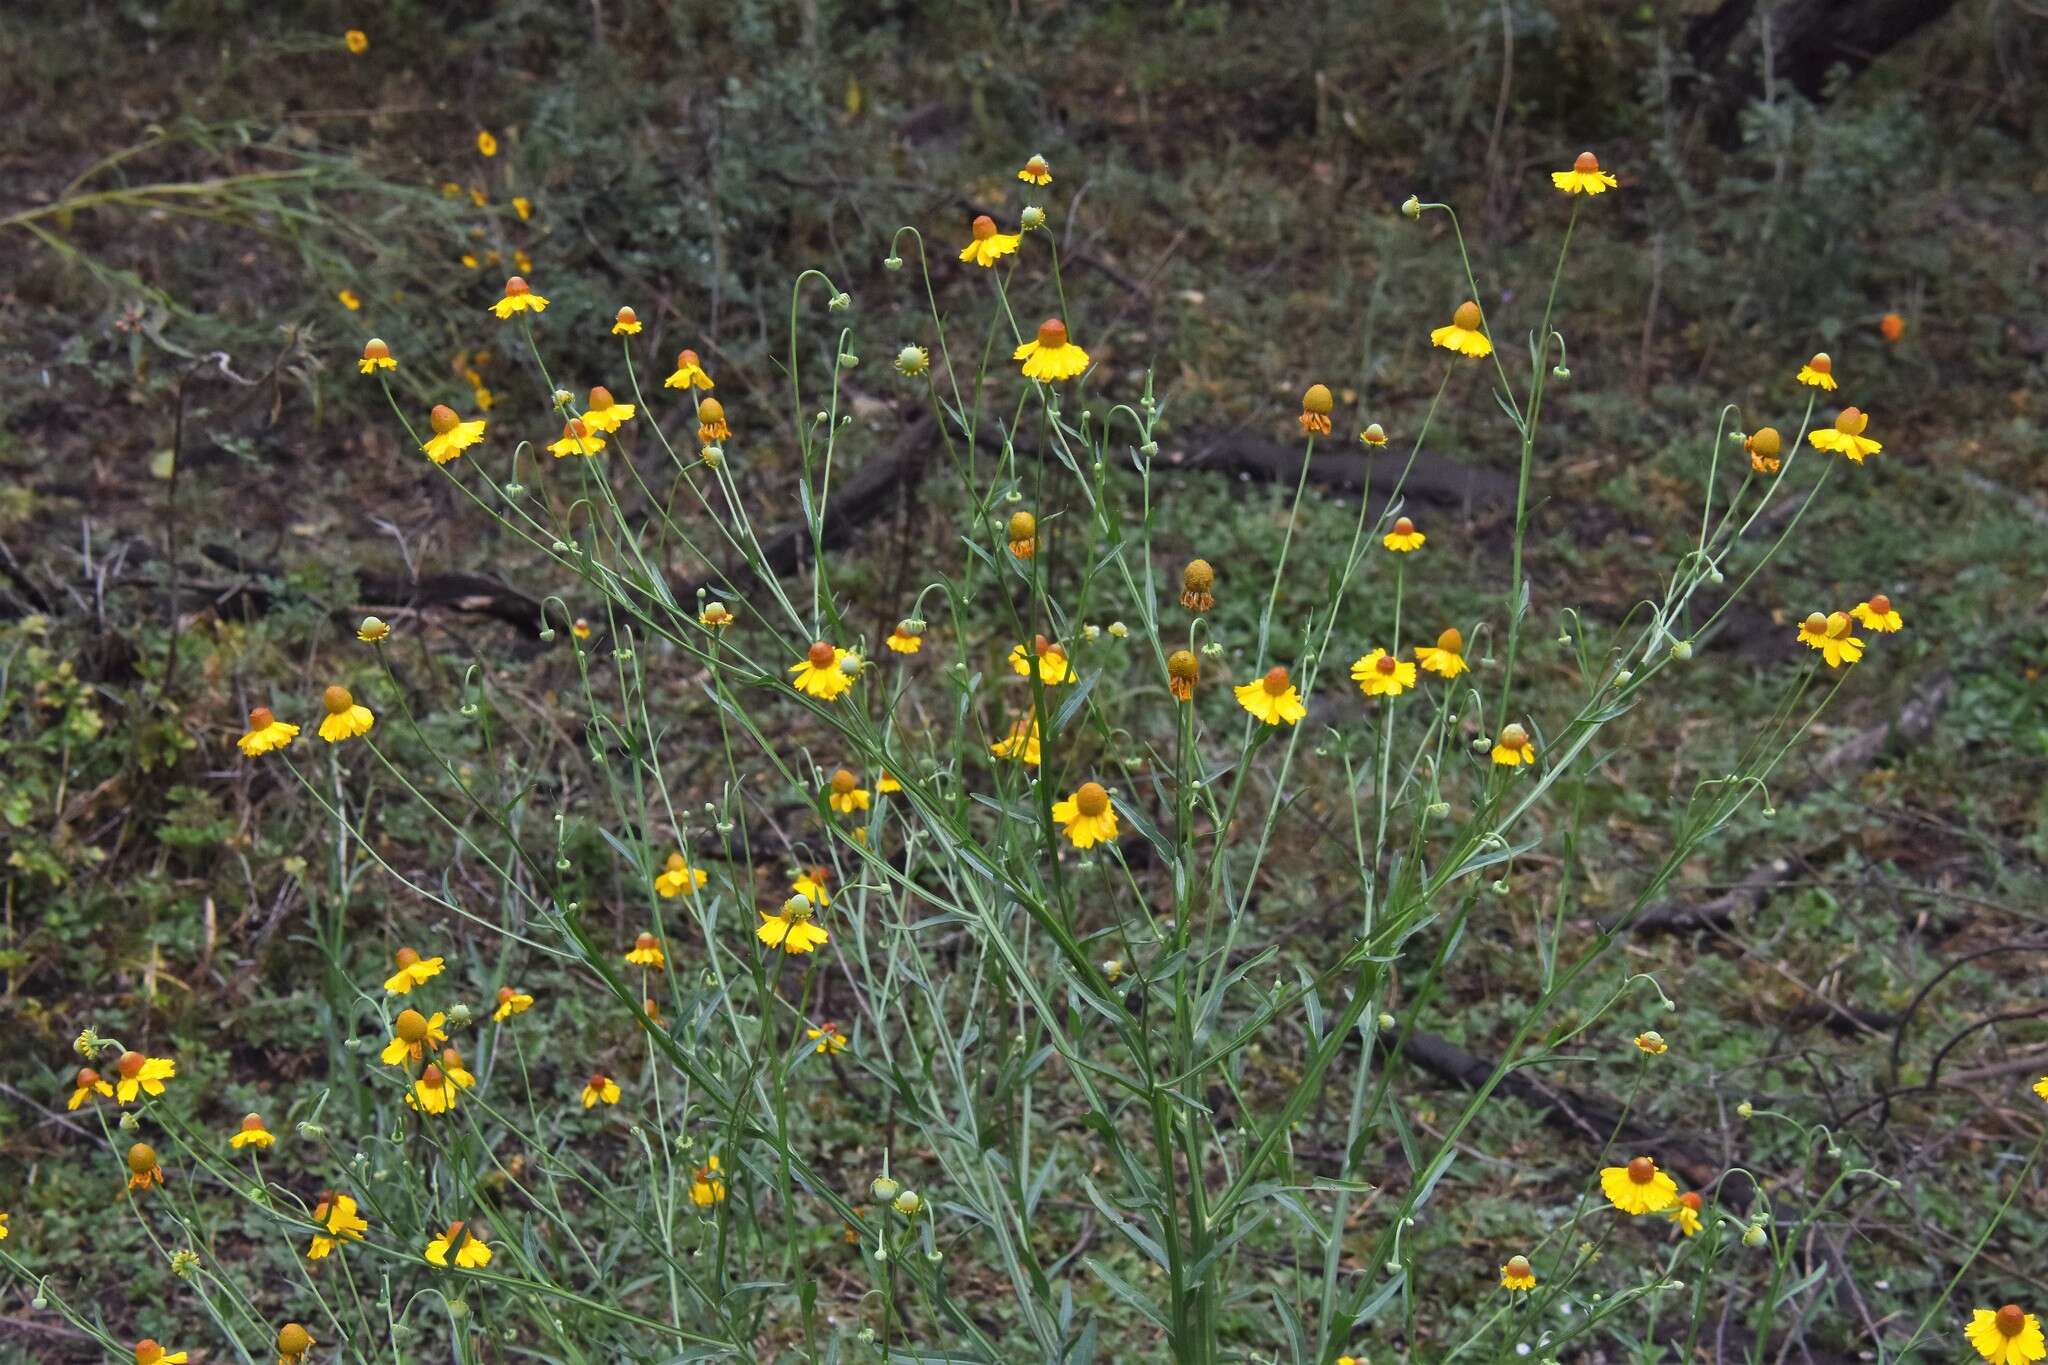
{"type": "Point", "coordinates": [646, 952]}
{"type": "Point", "coordinates": [451, 435]}
{"type": "Point", "coordinates": [142, 1075]}
{"type": "Point", "coordinates": [511, 1001]}
{"type": "Point", "coordinates": [711, 425]}
{"type": "Point", "coordinates": [1404, 538]}
{"type": "Point", "coordinates": [1315, 410]}
{"type": "Point", "coordinates": [376, 356]}
{"type": "Point", "coordinates": [1445, 658]}
{"type": "Point", "coordinates": [689, 372]}
{"type": "Point", "coordinates": [707, 1183]}
{"type": "Point", "coordinates": [149, 1352]}
{"type": "Point", "coordinates": [345, 719]}
{"type": "Point", "coordinates": [252, 1133]}
{"type": "Point", "coordinates": [907, 638]}
{"type": "Point", "coordinates": [1380, 674]}
{"type": "Point", "coordinates": [810, 884]}
{"type": "Point", "coordinates": [1831, 635]}
{"type": "Point", "coordinates": [1846, 436]}
{"type": "Point", "coordinates": [293, 1341]}
{"type": "Point", "coordinates": [625, 323]}
{"type": "Point", "coordinates": [143, 1168]}
{"type": "Point", "coordinates": [1036, 172]}
{"type": "Point", "coordinates": [1272, 699]}
{"type": "Point", "coordinates": [1196, 581]}
{"type": "Point", "coordinates": [603, 414]}
{"type": "Point", "coordinates": [519, 298]}
{"type": "Point", "coordinates": [913, 361]}
{"type": "Point", "coordinates": [1050, 357]}
{"type": "Point", "coordinates": [1763, 446]}
{"type": "Point", "coordinates": [1652, 1043]}
{"type": "Point", "coordinates": [1022, 534]}
{"type": "Point", "coordinates": [577, 439]}
{"type": "Point", "coordinates": [337, 1213]}
{"type": "Point", "coordinates": [486, 144]}
{"type": "Point", "coordinates": [1686, 1213]}
{"type": "Point", "coordinates": [600, 1089]}
{"type": "Point", "coordinates": [820, 673]}
{"type": "Point", "coordinates": [455, 1071]}
{"type": "Point", "coordinates": [1373, 435]}
{"type": "Point", "coordinates": [90, 1083]}
{"type": "Point", "coordinates": [266, 733]}
{"type": "Point", "coordinates": [1513, 748]}
{"type": "Point", "coordinates": [373, 630]}
{"type": "Point", "coordinates": [433, 1092]}
{"type": "Point", "coordinates": [1183, 671]}
{"type": "Point", "coordinates": [472, 1254]}
{"type": "Point", "coordinates": [1517, 1274]}
{"type": "Point", "coordinates": [412, 970]}
{"type": "Point", "coordinates": [828, 1038]}
{"type": "Point", "coordinates": [412, 1033]}
{"type": "Point", "coordinates": [677, 878]}
{"type": "Point", "coordinates": [1048, 658]}
{"type": "Point", "coordinates": [714, 616]}
{"type": "Point", "coordinates": [791, 928]}
{"type": "Point", "coordinates": [1087, 816]}
{"type": "Point", "coordinates": [2007, 1336]}
{"type": "Point", "coordinates": [580, 628]}
{"type": "Point", "coordinates": [347, 298]}
{"type": "Point", "coordinates": [1819, 372]}
{"type": "Point", "coordinates": [1891, 327]}
{"type": "Point", "coordinates": [988, 246]}
{"type": "Point", "coordinates": [886, 783]}
{"type": "Point", "coordinates": [845, 794]}
{"type": "Point", "coordinates": [1585, 177]}
{"type": "Point", "coordinates": [1020, 743]}
{"type": "Point", "coordinates": [356, 41]}
{"type": "Point", "coordinates": [1465, 334]}
{"type": "Point", "coordinates": [2041, 1087]}
{"type": "Point", "coordinates": [1876, 613]}
{"type": "Point", "coordinates": [522, 206]}
{"type": "Point", "coordinates": [1638, 1187]}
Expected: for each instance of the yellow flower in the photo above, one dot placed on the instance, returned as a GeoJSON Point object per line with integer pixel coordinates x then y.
{"type": "Point", "coordinates": [577, 439]}
{"type": "Point", "coordinates": [1315, 410]}
{"type": "Point", "coordinates": [791, 929]}
{"type": "Point", "coordinates": [1404, 538]}
{"type": "Point", "coordinates": [519, 298]}
{"type": "Point", "coordinates": [251, 1134]}
{"type": "Point", "coordinates": [2040, 1086]}
{"type": "Point", "coordinates": [345, 719]}
{"type": "Point", "coordinates": [1196, 581]}
{"type": "Point", "coordinates": [149, 1352]}
{"type": "Point", "coordinates": [1819, 372]}
{"type": "Point", "coordinates": [1373, 435]}
{"type": "Point", "coordinates": [1380, 674]}
{"type": "Point", "coordinates": [3, 1227]}
{"type": "Point", "coordinates": [1517, 1274]}
{"type": "Point", "coordinates": [1465, 334]}
{"type": "Point", "coordinates": [605, 415]}
{"type": "Point", "coordinates": [1446, 658]}
{"type": "Point", "coordinates": [646, 952]}
{"type": "Point", "coordinates": [452, 1067]}
{"type": "Point", "coordinates": [1830, 635]}
{"type": "Point", "coordinates": [373, 630]}
{"type": "Point", "coordinates": [1763, 446]}
{"type": "Point", "coordinates": [810, 884]}
{"type": "Point", "coordinates": [1036, 172]}
{"type": "Point", "coordinates": [337, 1213]}
{"type": "Point", "coordinates": [1020, 743]}
{"type": "Point", "coordinates": [821, 672]}
{"type": "Point", "coordinates": [677, 878]}
{"type": "Point", "coordinates": [142, 1075]}
{"type": "Point", "coordinates": [1183, 672]}
{"type": "Point", "coordinates": [143, 1167]}
{"type": "Point", "coordinates": [827, 1037]}
{"type": "Point", "coordinates": [2009, 1336]}
{"type": "Point", "coordinates": [1686, 1213]}
{"type": "Point", "coordinates": [1638, 1187]}
{"type": "Point", "coordinates": [413, 970]}
{"type": "Point", "coordinates": [689, 372]}
{"type": "Point", "coordinates": [293, 1341]}
{"type": "Point", "coordinates": [90, 1083]}
{"type": "Point", "coordinates": [1513, 748]}
{"type": "Point", "coordinates": [1048, 658]}
{"type": "Point", "coordinates": [1272, 699]}
{"type": "Point", "coordinates": [626, 323]}
{"type": "Point", "coordinates": [1585, 177]}
{"type": "Point", "coordinates": [1022, 534]}
{"type": "Point", "coordinates": [580, 628]}
{"type": "Point", "coordinates": [348, 299]}
{"type": "Point", "coordinates": [473, 1254]}
{"type": "Point", "coordinates": [714, 616]}
{"type": "Point", "coordinates": [522, 206]}
{"type": "Point", "coordinates": [452, 435]}
{"type": "Point", "coordinates": [469, 260]}
{"type": "Point", "coordinates": [845, 794]}
{"type": "Point", "coordinates": [433, 1092]}
{"type": "Point", "coordinates": [904, 640]}
{"type": "Point", "coordinates": [707, 1186]}
{"type": "Point", "coordinates": [1652, 1043]}
{"type": "Point", "coordinates": [1846, 436]}
{"type": "Point", "coordinates": [1051, 357]}
{"type": "Point", "coordinates": [266, 733]}
{"type": "Point", "coordinates": [1876, 614]}
{"type": "Point", "coordinates": [356, 41]}
{"type": "Point", "coordinates": [988, 246]}
{"type": "Point", "coordinates": [1087, 816]}
{"type": "Point", "coordinates": [376, 356]}
{"type": "Point", "coordinates": [711, 426]}
{"type": "Point", "coordinates": [886, 784]}
{"type": "Point", "coordinates": [486, 145]}
{"type": "Point", "coordinates": [412, 1033]}
{"type": "Point", "coordinates": [600, 1089]}
{"type": "Point", "coordinates": [511, 1001]}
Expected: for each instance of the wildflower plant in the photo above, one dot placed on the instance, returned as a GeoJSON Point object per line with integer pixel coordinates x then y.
{"type": "Point", "coordinates": [997, 872]}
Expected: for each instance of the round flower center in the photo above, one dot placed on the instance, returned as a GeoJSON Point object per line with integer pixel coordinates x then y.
{"type": "Point", "coordinates": [797, 908]}
{"type": "Point", "coordinates": [1182, 665]}
{"type": "Point", "coordinates": [1821, 363]}
{"type": "Point", "coordinates": [337, 700]}
{"type": "Point", "coordinates": [1587, 164]}
{"type": "Point", "coordinates": [443, 419]}
{"type": "Point", "coordinates": [1691, 1200]}
{"type": "Point", "coordinates": [574, 429]}
{"type": "Point", "coordinates": [1642, 1170]}
{"type": "Point", "coordinates": [130, 1065]}
{"type": "Point", "coordinates": [148, 1352]}
{"type": "Point", "coordinates": [1404, 527]}
{"type": "Point", "coordinates": [1514, 737]}
{"type": "Point", "coordinates": [984, 228]}
{"type": "Point", "coordinates": [1198, 576]}
{"type": "Point", "coordinates": [261, 718]}
{"type": "Point", "coordinates": [293, 1339]}
{"type": "Point", "coordinates": [1374, 434]}
{"type": "Point", "coordinates": [375, 349]}
{"type": "Point", "coordinates": [686, 359]}
{"type": "Point", "coordinates": [87, 1078]}
{"type": "Point", "coordinates": [410, 1025]}
{"type": "Point", "coordinates": [1036, 165]}
{"type": "Point", "coordinates": [1816, 623]}
{"type": "Point", "coordinates": [432, 1077]}
{"type": "Point", "coordinates": [715, 613]}
{"type": "Point", "coordinates": [1052, 334]}
{"type": "Point", "coordinates": [643, 943]}
{"type": "Point", "coordinates": [451, 1059]}
{"type": "Point", "coordinates": [1451, 642]}
{"type": "Point", "coordinates": [1276, 681]}
{"type": "Point", "coordinates": [711, 411]}
{"type": "Point", "coordinates": [1852, 421]}
{"type": "Point", "coordinates": [405, 957]}
{"type": "Point", "coordinates": [1880, 604]}
{"type": "Point", "coordinates": [514, 287]}
{"type": "Point", "coordinates": [599, 1081]}
{"type": "Point", "coordinates": [1467, 316]}
{"type": "Point", "coordinates": [626, 315]}
{"type": "Point", "coordinates": [2010, 1320]}
{"type": "Point", "coordinates": [141, 1157]}
{"type": "Point", "coordinates": [1765, 441]}
{"type": "Point", "coordinates": [252, 1123]}
{"type": "Point", "coordinates": [1317, 400]}
{"type": "Point", "coordinates": [454, 1231]}
{"type": "Point", "coordinates": [1091, 800]}
{"type": "Point", "coordinates": [1386, 664]}
{"type": "Point", "coordinates": [1838, 623]}
{"type": "Point", "coordinates": [843, 782]}
{"type": "Point", "coordinates": [1518, 1266]}
{"type": "Point", "coordinates": [600, 398]}
{"type": "Point", "coordinates": [822, 655]}
{"type": "Point", "coordinates": [1023, 526]}
{"type": "Point", "coordinates": [505, 993]}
